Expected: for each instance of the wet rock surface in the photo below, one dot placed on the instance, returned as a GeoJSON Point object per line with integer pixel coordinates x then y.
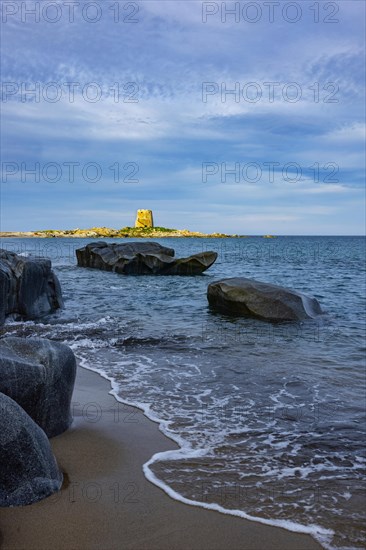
{"type": "Point", "coordinates": [28, 286]}
{"type": "Point", "coordinates": [39, 375]}
{"type": "Point", "coordinates": [28, 468]}
{"type": "Point", "coordinates": [142, 258]}
{"type": "Point", "coordinates": [248, 297]}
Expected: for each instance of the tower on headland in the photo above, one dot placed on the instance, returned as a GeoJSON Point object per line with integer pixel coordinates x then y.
{"type": "Point", "coordinates": [144, 218]}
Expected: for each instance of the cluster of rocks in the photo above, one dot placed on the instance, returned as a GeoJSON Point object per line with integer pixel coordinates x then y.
{"type": "Point", "coordinates": [142, 258]}
{"type": "Point", "coordinates": [37, 376]}
{"type": "Point", "coordinates": [36, 384]}
{"type": "Point", "coordinates": [234, 296]}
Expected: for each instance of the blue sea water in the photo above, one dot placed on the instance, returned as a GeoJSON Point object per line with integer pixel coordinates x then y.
{"type": "Point", "coordinates": [270, 418]}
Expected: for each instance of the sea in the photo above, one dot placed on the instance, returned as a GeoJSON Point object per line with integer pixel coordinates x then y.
{"type": "Point", "coordinates": [269, 418]}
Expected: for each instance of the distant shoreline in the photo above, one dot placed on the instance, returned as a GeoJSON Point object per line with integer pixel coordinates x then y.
{"type": "Point", "coordinates": [125, 232]}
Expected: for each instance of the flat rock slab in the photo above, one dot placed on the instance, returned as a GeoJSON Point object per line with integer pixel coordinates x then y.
{"type": "Point", "coordinates": [39, 375]}
{"type": "Point", "coordinates": [248, 297]}
{"type": "Point", "coordinates": [142, 258]}
{"type": "Point", "coordinates": [28, 286]}
{"type": "Point", "coordinates": [28, 468]}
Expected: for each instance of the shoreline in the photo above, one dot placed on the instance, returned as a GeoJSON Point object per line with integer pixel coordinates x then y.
{"type": "Point", "coordinates": [155, 232]}
{"type": "Point", "coordinates": [133, 235]}
{"type": "Point", "coordinates": [107, 502]}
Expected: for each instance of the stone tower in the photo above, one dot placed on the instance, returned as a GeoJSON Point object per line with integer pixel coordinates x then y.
{"type": "Point", "coordinates": [144, 218]}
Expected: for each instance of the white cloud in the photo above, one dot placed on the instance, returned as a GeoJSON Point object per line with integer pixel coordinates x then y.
{"type": "Point", "coordinates": [349, 133]}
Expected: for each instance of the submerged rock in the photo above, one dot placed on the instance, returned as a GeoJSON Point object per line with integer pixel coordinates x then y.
{"type": "Point", "coordinates": [39, 375]}
{"type": "Point", "coordinates": [142, 258]}
{"type": "Point", "coordinates": [28, 286]}
{"type": "Point", "coordinates": [28, 468]}
{"type": "Point", "coordinates": [248, 297]}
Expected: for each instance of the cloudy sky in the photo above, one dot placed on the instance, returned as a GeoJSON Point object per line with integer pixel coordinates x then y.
{"type": "Point", "coordinates": [240, 117]}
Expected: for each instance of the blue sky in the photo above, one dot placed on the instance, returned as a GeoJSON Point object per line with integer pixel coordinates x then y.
{"type": "Point", "coordinates": [172, 135]}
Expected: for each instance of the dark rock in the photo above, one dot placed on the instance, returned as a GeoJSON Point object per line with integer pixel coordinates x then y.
{"type": "Point", "coordinates": [240, 296]}
{"type": "Point", "coordinates": [193, 265]}
{"type": "Point", "coordinates": [104, 256]}
{"type": "Point", "coordinates": [145, 258]}
{"type": "Point", "coordinates": [28, 286]}
{"type": "Point", "coordinates": [39, 375]}
{"type": "Point", "coordinates": [28, 468]}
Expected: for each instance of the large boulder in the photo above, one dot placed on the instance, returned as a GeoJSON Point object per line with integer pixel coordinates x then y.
{"type": "Point", "coordinates": [102, 255]}
{"type": "Point", "coordinates": [247, 297]}
{"type": "Point", "coordinates": [28, 468]}
{"type": "Point", "coordinates": [39, 375]}
{"type": "Point", "coordinates": [142, 258]}
{"type": "Point", "coordinates": [28, 286]}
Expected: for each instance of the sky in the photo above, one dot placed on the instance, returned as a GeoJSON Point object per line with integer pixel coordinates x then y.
{"type": "Point", "coordinates": [235, 117]}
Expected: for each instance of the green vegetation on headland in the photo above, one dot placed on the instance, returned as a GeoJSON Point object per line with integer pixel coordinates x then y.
{"type": "Point", "coordinates": [124, 232]}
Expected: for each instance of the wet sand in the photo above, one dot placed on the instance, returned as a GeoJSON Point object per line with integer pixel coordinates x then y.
{"type": "Point", "coordinates": [107, 504]}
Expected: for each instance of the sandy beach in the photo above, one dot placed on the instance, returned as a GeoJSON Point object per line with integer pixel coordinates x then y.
{"type": "Point", "coordinates": [106, 502]}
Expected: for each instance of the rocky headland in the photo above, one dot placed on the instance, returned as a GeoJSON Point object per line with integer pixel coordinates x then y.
{"type": "Point", "coordinates": [124, 232]}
